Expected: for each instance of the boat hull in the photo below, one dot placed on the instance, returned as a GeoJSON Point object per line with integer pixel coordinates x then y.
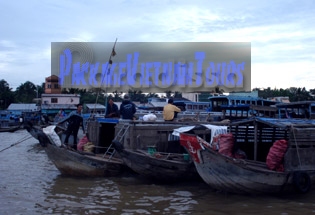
{"type": "Point", "coordinates": [73, 163]}
{"type": "Point", "coordinates": [233, 175]}
{"type": "Point", "coordinates": [159, 167]}
{"type": "Point", "coordinates": [10, 129]}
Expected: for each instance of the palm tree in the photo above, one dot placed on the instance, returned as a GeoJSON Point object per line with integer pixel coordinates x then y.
{"type": "Point", "coordinates": [6, 94]}
{"type": "Point", "coordinates": [26, 92]}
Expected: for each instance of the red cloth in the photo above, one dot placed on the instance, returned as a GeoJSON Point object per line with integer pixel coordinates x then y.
{"type": "Point", "coordinates": [275, 156]}
{"type": "Point", "coordinates": [82, 142]}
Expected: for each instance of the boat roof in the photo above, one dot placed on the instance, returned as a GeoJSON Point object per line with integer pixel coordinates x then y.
{"type": "Point", "coordinates": [300, 104]}
{"type": "Point", "coordinates": [234, 97]}
{"type": "Point", "coordinates": [21, 107]}
{"type": "Point", "coordinates": [95, 106]}
{"type": "Point", "coordinates": [58, 107]}
{"type": "Point", "coordinates": [276, 122]}
{"type": "Point", "coordinates": [286, 122]}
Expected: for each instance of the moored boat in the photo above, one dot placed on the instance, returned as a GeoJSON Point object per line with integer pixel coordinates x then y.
{"type": "Point", "coordinates": [257, 172]}
{"type": "Point", "coordinates": [10, 129]}
{"type": "Point", "coordinates": [6, 127]}
{"type": "Point", "coordinates": [76, 163]}
{"type": "Point", "coordinates": [150, 149]}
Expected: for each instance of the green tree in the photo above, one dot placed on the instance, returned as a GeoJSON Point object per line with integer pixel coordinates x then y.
{"type": "Point", "coordinates": [117, 96]}
{"type": "Point", "coordinates": [152, 95]}
{"type": "Point", "coordinates": [6, 94]}
{"type": "Point", "coordinates": [168, 94]}
{"type": "Point", "coordinates": [299, 94]}
{"type": "Point", "coordinates": [178, 94]}
{"type": "Point", "coordinates": [25, 93]}
{"type": "Point", "coordinates": [137, 96]}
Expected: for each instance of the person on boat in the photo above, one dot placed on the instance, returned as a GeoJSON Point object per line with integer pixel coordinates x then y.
{"type": "Point", "coordinates": [170, 111]}
{"type": "Point", "coordinates": [111, 109]}
{"type": "Point", "coordinates": [61, 113]}
{"type": "Point", "coordinates": [74, 119]}
{"type": "Point", "coordinates": [127, 108]}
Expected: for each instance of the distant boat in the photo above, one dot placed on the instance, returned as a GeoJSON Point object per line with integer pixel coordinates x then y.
{"type": "Point", "coordinates": [10, 128]}
{"type": "Point", "coordinates": [237, 107]}
{"type": "Point", "coordinates": [253, 173]}
{"type": "Point", "coordinates": [7, 126]}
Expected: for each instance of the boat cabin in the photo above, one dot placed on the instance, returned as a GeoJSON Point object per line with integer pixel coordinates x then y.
{"type": "Point", "coordinates": [302, 109]}
{"type": "Point", "coordinates": [255, 137]}
{"type": "Point", "coordinates": [137, 134]}
{"type": "Point", "coordinates": [197, 106]}
{"type": "Point", "coordinates": [237, 107]}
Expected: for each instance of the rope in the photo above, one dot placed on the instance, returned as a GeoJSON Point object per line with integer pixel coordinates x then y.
{"type": "Point", "coordinates": [20, 141]}
{"type": "Point", "coordinates": [297, 151]}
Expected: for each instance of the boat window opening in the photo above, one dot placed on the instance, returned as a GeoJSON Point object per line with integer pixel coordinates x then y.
{"type": "Point", "coordinates": [311, 112]}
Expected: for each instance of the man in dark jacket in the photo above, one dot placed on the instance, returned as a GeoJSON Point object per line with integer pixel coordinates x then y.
{"type": "Point", "coordinates": [111, 109]}
{"type": "Point", "coordinates": [127, 108]}
{"type": "Point", "coordinates": [74, 119]}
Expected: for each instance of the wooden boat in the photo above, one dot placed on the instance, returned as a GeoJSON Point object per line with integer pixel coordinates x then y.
{"type": "Point", "coordinates": [6, 127]}
{"type": "Point", "coordinates": [10, 129]}
{"type": "Point", "coordinates": [301, 109]}
{"type": "Point", "coordinates": [75, 163]}
{"type": "Point", "coordinates": [252, 175]}
{"type": "Point", "coordinates": [161, 167]}
{"type": "Point", "coordinates": [296, 110]}
{"type": "Point", "coordinates": [235, 107]}
{"type": "Point", "coordinates": [148, 148]}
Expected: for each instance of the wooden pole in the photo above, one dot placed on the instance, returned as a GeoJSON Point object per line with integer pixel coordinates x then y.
{"type": "Point", "coordinates": [255, 141]}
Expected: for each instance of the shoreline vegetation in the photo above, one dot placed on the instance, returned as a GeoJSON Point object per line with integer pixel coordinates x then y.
{"type": "Point", "coordinates": [28, 92]}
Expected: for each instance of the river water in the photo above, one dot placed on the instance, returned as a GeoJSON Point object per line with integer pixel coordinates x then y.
{"type": "Point", "coordinates": [30, 184]}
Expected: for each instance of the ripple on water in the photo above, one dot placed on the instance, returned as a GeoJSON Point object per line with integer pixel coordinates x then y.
{"type": "Point", "coordinates": [30, 184]}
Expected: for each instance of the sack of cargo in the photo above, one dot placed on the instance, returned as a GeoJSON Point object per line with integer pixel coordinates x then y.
{"type": "Point", "coordinates": [275, 156]}
{"type": "Point", "coordinates": [88, 147]}
{"type": "Point", "coordinates": [52, 135]}
{"type": "Point", "coordinates": [226, 142]}
{"type": "Point", "coordinates": [82, 142]}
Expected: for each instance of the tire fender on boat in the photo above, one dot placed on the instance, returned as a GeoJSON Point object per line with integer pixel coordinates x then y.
{"type": "Point", "coordinates": [117, 145]}
{"type": "Point", "coordinates": [302, 181]}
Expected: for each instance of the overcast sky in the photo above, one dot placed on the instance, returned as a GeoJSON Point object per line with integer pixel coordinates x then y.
{"type": "Point", "coordinates": [281, 32]}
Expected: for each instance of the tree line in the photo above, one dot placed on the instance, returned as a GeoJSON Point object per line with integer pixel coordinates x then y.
{"type": "Point", "coordinates": [28, 92]}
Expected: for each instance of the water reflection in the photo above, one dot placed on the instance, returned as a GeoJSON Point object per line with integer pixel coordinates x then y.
{"type": "Point", "coordinates": [130, 195]}
{"type": "Point", "coordinates": [127, 195]}
{"type": "Point", "coordinates": [30, 184]}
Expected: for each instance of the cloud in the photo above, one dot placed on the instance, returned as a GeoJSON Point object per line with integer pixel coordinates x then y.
{"type": "Point", "coordinates": [280, 32]}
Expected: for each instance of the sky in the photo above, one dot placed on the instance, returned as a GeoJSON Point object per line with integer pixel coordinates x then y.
{"type": "Point", "coordinates": [281, 32]}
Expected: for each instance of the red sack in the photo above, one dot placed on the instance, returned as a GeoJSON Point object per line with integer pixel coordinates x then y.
{"type": "Point", "coordinates": [226, 142]}
{"type": "Point", "coordinates": [275, 156]}
{"type": "Point", "coordinates": [82, 142]}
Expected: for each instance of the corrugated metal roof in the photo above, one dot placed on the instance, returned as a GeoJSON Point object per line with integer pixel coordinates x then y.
{"type": "Point", "coordinates": [60, 95]}
{"type": "Point", "coordinates": [300, 104]}
{"type": "Point", "coordinates": [58, 106]}
{"type": "Point", "coordinates": [22, 107]}
{"type": "Point", "coordinates": [285, 122]}
{"type": "Point", "coordinates": [95, 106]}
{"type": "Point", "coordinates": [276, 122]}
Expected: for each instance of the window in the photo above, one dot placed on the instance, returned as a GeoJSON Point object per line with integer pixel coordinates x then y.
{"type": "Point", "coordinates": [54, 100]}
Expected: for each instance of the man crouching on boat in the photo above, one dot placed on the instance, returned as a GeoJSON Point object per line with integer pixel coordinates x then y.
{"type": "Point", "coordinates": [170, 111]}
{"type": "Point", "coordinates": [74, 119]}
